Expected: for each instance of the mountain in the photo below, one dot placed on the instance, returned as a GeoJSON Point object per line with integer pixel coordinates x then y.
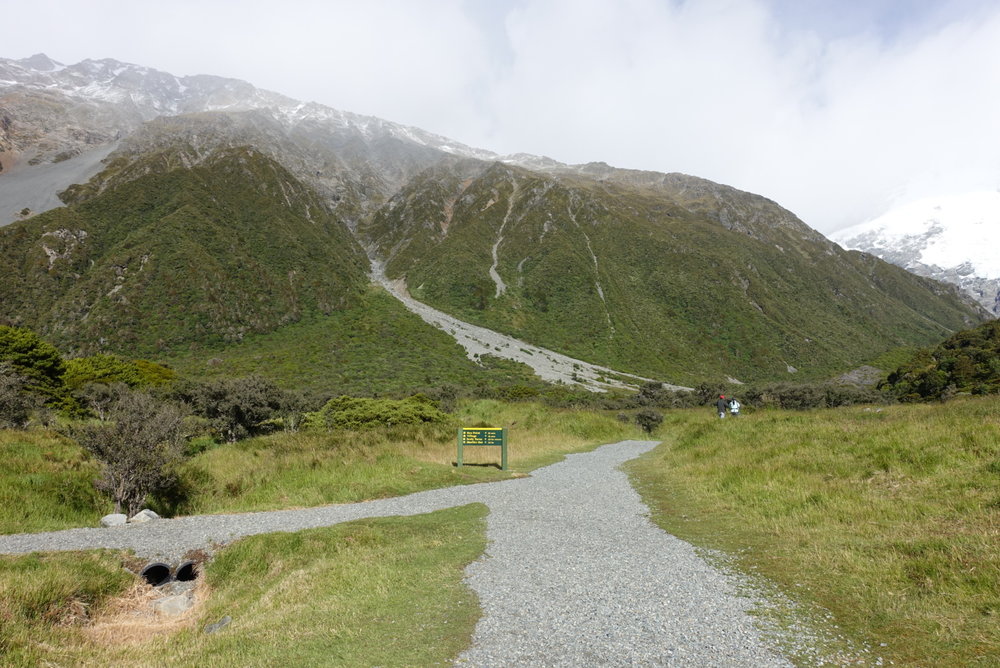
{"type": "Point", "coordinates": [952, 239]}
{"type": "Point", "coordinates": [663, 274]}
{"type": "Point", "coordinates": [218, 212]}
{"type": "Point", "coordinates": [56, 117]}
{"type": "Point", "coordinates": [232, 246]}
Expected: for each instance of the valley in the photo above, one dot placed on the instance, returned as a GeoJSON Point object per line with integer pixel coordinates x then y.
{"type": "Point", "coordinates": [310, 303]}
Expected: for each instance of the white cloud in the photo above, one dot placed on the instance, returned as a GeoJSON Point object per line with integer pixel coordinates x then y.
{"type": "Point", "coordinates": [716, 88]}
{"type": "Point", "coordinates": [832, 119]}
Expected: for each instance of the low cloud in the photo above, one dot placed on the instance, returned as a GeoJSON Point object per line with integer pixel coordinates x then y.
{"type": "Point", "coordinates": [835, 121]}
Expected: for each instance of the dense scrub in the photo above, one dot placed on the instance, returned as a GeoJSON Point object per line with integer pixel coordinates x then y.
{"type": "Point", "coordinates": [968, 362]}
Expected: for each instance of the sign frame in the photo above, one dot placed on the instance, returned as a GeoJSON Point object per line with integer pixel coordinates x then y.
{"type": "Point", "coordinates": [483, 437]}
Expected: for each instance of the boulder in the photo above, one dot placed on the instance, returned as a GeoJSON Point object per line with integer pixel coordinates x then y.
{"type": "Point", "coordinates": [171, 606]}
{"type": "Point", "coordinates": [114, 520]}
{"type": "Point", "coordinates": [144, 515]}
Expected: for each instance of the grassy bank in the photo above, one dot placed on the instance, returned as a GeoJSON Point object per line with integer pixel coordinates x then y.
{"type": "Point", "coordinates": [315, 468]}
{"type": "Point", "coordinates": [385, 592]}
{"type": "Point", "coordinates": [888, 518]}
{"type": "Point", "coordinates": [47, 482]}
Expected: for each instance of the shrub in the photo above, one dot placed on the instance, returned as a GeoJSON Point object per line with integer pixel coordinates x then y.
{"type": "Point", "coordinates": [361, 413]}
{"type": "Point", "coordinates": [969, 361]}
{"type": "Point", "coordinates": [37, 361]}
{"type": "Point", "coordinates": [109, 369]}
{"type": "Point", "coordinates": [138, 447]}
{"type": "Point", "coordinates": [237, 407]}
{"type": "Point", "coordinates": [648, 420]}
{"type": "Point", "coordinates": [16, 403]}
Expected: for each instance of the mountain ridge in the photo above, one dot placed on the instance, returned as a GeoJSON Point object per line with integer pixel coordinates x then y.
{"type": "Point", "coordinates": [660, 275]}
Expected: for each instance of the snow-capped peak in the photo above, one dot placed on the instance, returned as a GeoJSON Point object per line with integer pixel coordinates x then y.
{"type": "Point", "coordinates": [942, 231]}
{"type": "Point", "coordinates": [951, 238]}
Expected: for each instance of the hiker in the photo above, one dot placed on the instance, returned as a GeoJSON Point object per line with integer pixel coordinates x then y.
{"type": "Point", "coordinates": [722, 405]}
{"type": "Point", "coordinates": [734, 407]}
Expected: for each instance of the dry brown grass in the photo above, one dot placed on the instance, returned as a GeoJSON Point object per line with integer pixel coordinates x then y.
{"type": "Point", "coordinates": [130, 620]}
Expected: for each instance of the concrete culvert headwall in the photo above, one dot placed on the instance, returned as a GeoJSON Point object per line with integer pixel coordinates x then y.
{"type": "Point", "coordinates": [186, 572]}
{"type": "Point", "coordinates": [156, 574]}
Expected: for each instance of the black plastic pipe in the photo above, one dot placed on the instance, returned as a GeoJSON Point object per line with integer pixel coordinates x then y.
{"type": "Point", "coordinates": [186, 572]}
{"type": "Point", "coordinates": [156, 573]}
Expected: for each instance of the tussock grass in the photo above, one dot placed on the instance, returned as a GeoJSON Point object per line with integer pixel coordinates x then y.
{"type": "Point", "coordinates": [387, 592]}
{"type": "Point", "coordinates": [46, 483]}
{"type": "Point", "coordinates": [889, 518]}
{"type": "Point", "coordinates": [45, 598]}
{"type": "Point", "coordinates": [316, 468]}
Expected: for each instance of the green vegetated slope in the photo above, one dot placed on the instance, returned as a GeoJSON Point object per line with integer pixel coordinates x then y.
{"type": "Point", "coordinates": [189, 256]}
{"type": "Point", "coordinates": [968, 361]}
{"type": "Point", "coordinates": [374, 348]}
{"type": "Point", "coordinates": [663, 274]}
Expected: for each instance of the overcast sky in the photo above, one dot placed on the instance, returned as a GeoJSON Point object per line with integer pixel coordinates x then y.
{"type": "Point", "coordinates": [836, 109]}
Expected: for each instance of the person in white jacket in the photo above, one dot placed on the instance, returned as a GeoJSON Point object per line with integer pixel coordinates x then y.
{"type": "Point", "coordinates": [734, 407]}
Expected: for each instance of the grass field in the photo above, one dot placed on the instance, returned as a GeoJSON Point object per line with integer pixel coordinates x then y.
{"type": "Point", "coordinates": [46, 481]}
{"type": "Point", "coordinates": [888, 518]}
{"type": "Point", "coordinates": [386, 592]}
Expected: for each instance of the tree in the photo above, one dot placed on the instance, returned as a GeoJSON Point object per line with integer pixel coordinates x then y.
{"type": "Point", "coordinates": [37, 361]}
{"type": "Point", "coordinates": [139, 448]}
{"type": "Point", "coordinates": [16, 403]}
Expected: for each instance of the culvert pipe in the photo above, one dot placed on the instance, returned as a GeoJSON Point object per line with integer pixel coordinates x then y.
{"type": "Point", "coordinates": [155, 573]}
{"type": "Point", "coordinates": [187, 571]}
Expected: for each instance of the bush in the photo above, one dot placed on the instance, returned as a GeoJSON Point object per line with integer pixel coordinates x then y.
{"type": "Point", "coordinates": [16, 403]}
{"type": "Point", "coordinates": [138, 448]}
{"type": "Point", "coordinates": [969, 361]}
{"type": "Point", "coordinates": [803, 396]}
{"type": "Point", "coordinates": [110, 369]}
{"type": "Point", "coordinates": [237, 407]}
{"type": "Point", "coordinates": [38, 362]}
{"type": "Point", "coordinates": [360, 413]}
{"type": "Point", "coordinates": [648, 420]}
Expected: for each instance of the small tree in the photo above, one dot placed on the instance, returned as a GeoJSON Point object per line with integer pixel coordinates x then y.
{"type": "Point", "coordinates": [138, 447]}
{"type": "Point", "coordinates": [16, 403]}
{"type": "Point", "coordinates": [37, 361]}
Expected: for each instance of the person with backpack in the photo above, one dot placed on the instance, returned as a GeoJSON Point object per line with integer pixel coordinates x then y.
{"type": "Point", "coordinates": [734, 407]}
{"type": "Point", "coordinates": [722, 405]}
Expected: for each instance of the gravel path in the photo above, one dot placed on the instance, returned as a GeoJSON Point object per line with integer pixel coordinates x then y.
{"type": "Point", "coordinates": [575, 573]}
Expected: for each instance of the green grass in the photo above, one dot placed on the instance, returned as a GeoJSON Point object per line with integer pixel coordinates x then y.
{"type": "Point", "coordinates": [888, 518]}
{"type": "Point", "coordinates": [316, 468]}
{"type": "Point", "coordinates": [385, 592]}
{"type": "Point", "coordinates": [47, 481]}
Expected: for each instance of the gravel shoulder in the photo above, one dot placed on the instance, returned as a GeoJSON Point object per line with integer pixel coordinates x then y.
{"type": "Point", "coordinates": [575, 573]}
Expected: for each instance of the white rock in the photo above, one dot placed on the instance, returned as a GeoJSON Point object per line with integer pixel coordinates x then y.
{"type": "Point", "coordinates": [144, 515]}
{"type": "Point", "coordinates": [114, 520]}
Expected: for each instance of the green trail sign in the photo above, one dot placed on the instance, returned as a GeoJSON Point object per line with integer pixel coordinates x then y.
{"type": "Point", "coordinates": [480, 436]}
